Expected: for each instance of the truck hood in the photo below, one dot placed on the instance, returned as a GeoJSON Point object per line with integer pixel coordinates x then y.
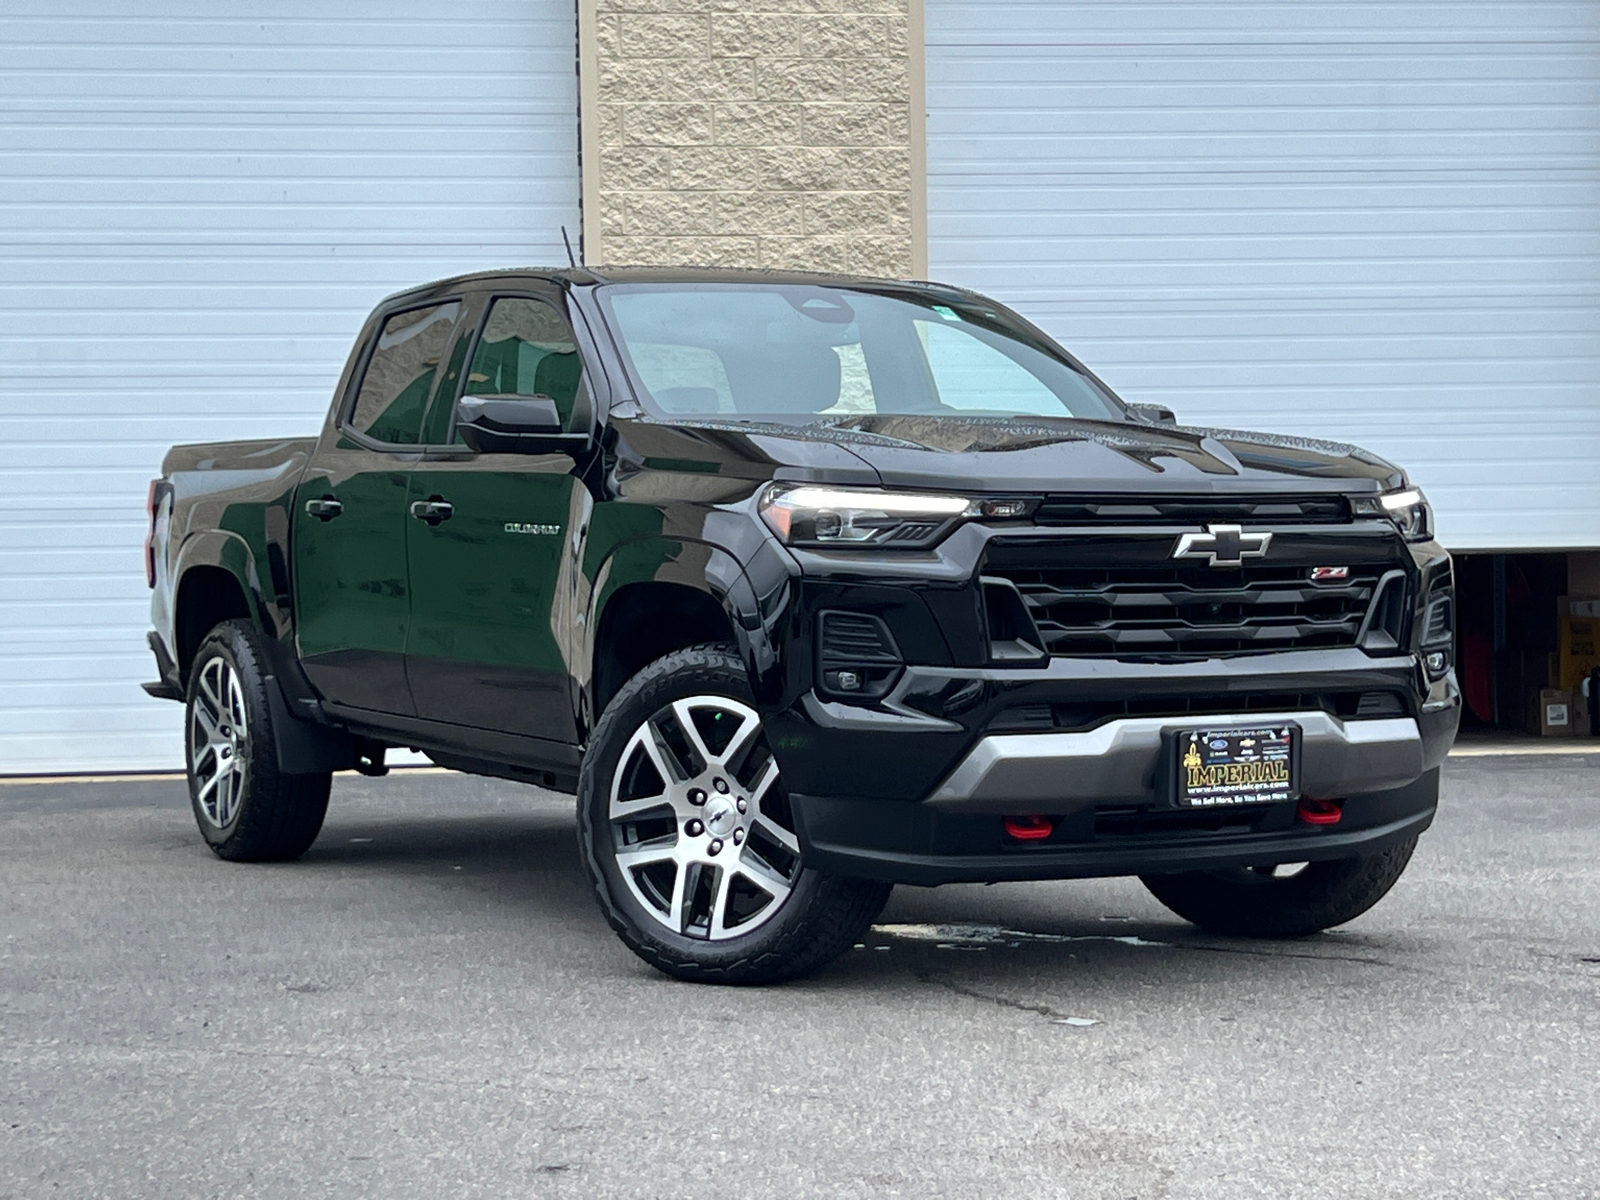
{"type": "Point", "coordinates": [988, 454]}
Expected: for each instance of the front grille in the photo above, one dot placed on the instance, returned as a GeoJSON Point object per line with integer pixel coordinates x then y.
{"type": "Point", "coordinates": [1196, 609]}
{"type": "Point", "coordinates": [1193, 510]}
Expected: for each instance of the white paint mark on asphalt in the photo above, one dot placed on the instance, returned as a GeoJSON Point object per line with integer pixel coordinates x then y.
{"type": "Point", "coordinates": [1080, 1022]}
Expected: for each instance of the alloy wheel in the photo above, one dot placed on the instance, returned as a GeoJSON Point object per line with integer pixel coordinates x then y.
{"type": "Point", "coordinates": [700, 825]}
{"type": "Point", "coordinates": [219, 739]}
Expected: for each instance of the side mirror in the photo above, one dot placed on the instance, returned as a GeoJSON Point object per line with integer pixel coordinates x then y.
{"type": "Point", "coordinates": [505, 424]}
{"type": "Point", "coordinates": [1153, 414]}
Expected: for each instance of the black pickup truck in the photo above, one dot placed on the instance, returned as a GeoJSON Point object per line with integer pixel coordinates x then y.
{"type": "Point", "coordinates": [809, 585]}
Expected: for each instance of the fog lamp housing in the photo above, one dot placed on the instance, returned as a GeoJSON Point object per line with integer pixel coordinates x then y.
{"type": "Point", "coordinates": [857, 658]}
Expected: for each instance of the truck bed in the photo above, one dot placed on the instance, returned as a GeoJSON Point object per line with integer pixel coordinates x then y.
{"type": "Point", "coordinates": [264, 455]}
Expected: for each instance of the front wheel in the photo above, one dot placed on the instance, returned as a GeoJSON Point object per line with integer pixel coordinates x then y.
{"type": "Point", "coordinates": [688, 836]}
{"type": "Point", "coordinates": [1280, 902]}
{"type": "Point", "coordinates": [248, 809]}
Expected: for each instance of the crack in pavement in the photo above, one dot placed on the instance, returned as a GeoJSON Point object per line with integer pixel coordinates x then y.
{"type": "Point", "coordinates": [1252, 953]}
{"type": "Point", "coordinates": [1043, 1010]}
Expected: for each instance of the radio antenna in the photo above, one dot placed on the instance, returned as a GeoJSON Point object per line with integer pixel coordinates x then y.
{"type": "Point", "coordinates": [571, 257]}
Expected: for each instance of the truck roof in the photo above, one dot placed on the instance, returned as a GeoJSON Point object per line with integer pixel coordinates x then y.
{"type": "Point", "coordinates": [588, 275]}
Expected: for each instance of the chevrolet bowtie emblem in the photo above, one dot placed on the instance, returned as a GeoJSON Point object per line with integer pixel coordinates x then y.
{"type": "Point", "coordinates": [1222, 545]}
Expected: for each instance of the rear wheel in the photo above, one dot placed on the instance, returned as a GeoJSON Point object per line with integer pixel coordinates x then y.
{"type": "Point", "coordinates": [689, 838]}
{"type": "Point", "coordinates": [1287, 900]}
{"type": "Point", "coordinates": [247, 808]}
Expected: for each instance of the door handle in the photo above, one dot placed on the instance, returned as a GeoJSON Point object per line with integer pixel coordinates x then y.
{"type": "Point", "coordinates": [324, 508]}
{"type": "Point", "coordinates": [435, 510]}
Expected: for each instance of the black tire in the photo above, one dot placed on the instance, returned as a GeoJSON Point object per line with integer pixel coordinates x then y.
{"type": "Point", "coordinates": [1245, 902]}
{"type": "Point", "coordinates": [248, 810]}
{"type": "Point", "coordinates": [819, 917]}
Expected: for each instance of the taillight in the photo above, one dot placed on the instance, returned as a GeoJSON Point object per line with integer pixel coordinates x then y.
{"type": "Point", "coordinates": [150, 534]}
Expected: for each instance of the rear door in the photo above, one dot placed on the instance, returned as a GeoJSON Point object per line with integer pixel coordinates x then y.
{"type": "Point", "coordinates": [353, 601]}
{"type": "Point", "coordinates": [491, 581]}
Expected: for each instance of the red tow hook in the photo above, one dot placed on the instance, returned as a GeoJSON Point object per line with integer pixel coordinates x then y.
{"type": "Point", "coordinates": [1031, 829]}
{"type": "Point", "coordinates": [1320, 812]}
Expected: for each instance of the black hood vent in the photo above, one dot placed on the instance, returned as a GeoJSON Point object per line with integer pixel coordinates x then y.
{"type": "Point", "coordinates": [1194, 510]}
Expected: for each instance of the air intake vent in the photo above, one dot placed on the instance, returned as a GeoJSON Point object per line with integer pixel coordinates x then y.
{"type": "Point", "coordinates": [855, 639]}
{"type": "Point", "coordinates": [1440, 626]}
{"type": "Point", "coordinates": [1380, 704]}
{"type": "Point", "coordinates": [1389, 619]}
{"type": "Point", "coordinates": [1013, 637]}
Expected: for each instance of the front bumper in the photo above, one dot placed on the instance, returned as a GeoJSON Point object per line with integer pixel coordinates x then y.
{"type": "Point", "coordinates": [912, 786]}
{"type": "Point", "coordinates": [907, 745]}
{"type": "Point", "coordinates": [1105, 785]}
{"type": "Point", "coordinates": [916, 844]}
{"type": "Point", "coordinates": [1120, 762]}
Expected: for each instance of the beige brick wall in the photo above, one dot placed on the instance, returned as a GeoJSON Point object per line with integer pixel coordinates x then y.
{"type": "Point", "coordinates": [752, 133]}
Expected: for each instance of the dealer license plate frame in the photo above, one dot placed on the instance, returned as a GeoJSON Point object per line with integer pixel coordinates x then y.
{"type": "Point", "coordinates": [1257, 750]}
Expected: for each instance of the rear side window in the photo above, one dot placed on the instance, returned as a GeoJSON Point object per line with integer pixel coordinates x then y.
{"type": "Point", "coordinates": [527, 349]}
{"type": "Point", "coordinates": [401, 372]}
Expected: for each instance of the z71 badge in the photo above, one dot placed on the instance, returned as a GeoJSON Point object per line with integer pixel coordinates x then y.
{"type": "Point", "coordinates": [522, 527]}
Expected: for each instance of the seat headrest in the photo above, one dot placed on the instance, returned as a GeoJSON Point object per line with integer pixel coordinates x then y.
{"type": "Point", "coordinates": [789, 379]}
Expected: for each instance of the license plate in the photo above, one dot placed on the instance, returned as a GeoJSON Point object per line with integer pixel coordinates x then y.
{"type": "Point", "coordinates": [1221, 768]}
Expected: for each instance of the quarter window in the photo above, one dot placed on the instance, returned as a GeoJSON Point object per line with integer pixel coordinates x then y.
{"type": "Point", "coordinates": [401, 372]}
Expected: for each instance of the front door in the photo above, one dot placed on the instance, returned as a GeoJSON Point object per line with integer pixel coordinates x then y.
{"type": "Point", "coordinates": [487, 536]}
{"type": "Point", "coordinates": [352, 599]}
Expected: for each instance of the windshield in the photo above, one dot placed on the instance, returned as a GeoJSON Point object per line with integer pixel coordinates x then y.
{"type": "Point", "coordinates": [769, 351]}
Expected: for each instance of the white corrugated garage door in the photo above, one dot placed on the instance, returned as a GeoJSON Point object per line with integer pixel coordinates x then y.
{"type": "Point", "coordinates": [198, 205]}
{"type": "Point", "coordinates": [1373, 222]}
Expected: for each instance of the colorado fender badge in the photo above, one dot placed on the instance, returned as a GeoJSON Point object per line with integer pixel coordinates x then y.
{"type": "Point", "coordinates": [523, 527]}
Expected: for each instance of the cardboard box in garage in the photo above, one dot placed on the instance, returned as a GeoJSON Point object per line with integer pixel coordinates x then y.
{"type": "Point", "coordinates": [1552, 713]}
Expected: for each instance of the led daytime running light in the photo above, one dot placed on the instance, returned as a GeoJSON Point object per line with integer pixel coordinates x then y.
{"type": "Point", "coordinates": [842, 517]}
{"type": "Point", "coordinates": [1407, 508]}
{"type": "Point", "coordinates": [892, 503]}
{"type": "Point", "coordinates": [1396, 500]}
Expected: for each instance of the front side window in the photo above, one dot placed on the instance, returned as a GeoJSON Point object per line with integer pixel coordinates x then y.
{"type": "Point", "coordinates": [400, 374]}
{"type": "Point", "coordinates": [527, 349]}
{"type": "Point", "coordinates": [798, 351]}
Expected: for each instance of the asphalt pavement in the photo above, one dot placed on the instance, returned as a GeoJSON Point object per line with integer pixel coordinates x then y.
{"type": "Point", "coordinates": [430, 1005]}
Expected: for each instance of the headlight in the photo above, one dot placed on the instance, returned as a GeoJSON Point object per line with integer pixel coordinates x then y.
{"type": "Point", "coordinates": [839, 518]}
{"type": "Point", "coordinates": [1408, 509]}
